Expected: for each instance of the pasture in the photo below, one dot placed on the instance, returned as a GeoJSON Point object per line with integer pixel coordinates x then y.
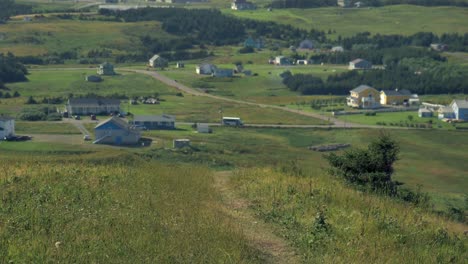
{"type": "Point", "coordinates": [398, 19]}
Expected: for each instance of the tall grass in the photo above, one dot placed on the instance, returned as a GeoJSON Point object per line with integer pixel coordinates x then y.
{"type": "Point", "coordinates": [329, 222]}
{"type": "Point", "coordinates": [117, 209]}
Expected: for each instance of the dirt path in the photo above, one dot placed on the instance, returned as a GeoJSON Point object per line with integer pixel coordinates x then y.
{"type": "Point", "coordinates": [259, 234]}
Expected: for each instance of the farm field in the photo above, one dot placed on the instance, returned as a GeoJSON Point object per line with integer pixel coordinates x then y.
{"type": "Point", "coordinates": [398, 19]}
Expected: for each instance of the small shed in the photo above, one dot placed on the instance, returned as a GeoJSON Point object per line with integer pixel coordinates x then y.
{"type": "Point", "coordinates": [302, 62]}
{"type": "Point", "coordinates": [180, 65]}
{"type": "Point", "coordinates": [424, 112]}
{"type": "Point", "coordinates": [203, 128]}
{"type": "Point", "coordinates": [93, 78]}
{"type": "Point", "coordinates": [181, 143]}
{"type": "Point", "coordinates": [7, 127]}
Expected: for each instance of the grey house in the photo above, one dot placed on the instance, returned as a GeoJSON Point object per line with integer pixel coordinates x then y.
{"type": "Point", "coordinates": [106, 69]}
{"type": "Point", "coordinates": [116, 131]}
{"type": "Point", "coordinates": [154, 121]}
{"type": "Point", "coordinates": [92, 106]}
{"type": "Point", "coordinates": [158, 62]}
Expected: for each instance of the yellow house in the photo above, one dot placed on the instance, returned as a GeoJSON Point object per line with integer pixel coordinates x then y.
{"type": "Point", "coordinates": [394, 97]}
{"type": "Point", "coordinates": [363, 96]}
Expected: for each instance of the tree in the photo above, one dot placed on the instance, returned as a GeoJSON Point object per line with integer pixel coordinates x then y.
{"type": "Point", "coordinates": [6, 10]}
{"type": "Point", "coordinates": [372, 167]}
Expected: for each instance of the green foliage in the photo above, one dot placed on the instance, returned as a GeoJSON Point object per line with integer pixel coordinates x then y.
{"type": "Point", "coordinates": [11, 70]}
{"type": "Point", "coordinates": [371, 167]}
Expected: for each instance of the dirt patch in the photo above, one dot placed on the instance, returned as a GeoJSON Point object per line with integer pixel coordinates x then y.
{"type": "Point", "coordinates": [259, 234]}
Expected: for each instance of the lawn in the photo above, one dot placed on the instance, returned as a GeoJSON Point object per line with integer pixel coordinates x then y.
{"type": "Point", "coordinates": [398, 19]}
{"type": "Point", "coordinates": [262, 88]}
{"type": "Point", "coordinates": [61, 83]}
{"type": "Point", "coordinates": [395, 118]}
{"type": "Point", "coordinates": [26, 128]}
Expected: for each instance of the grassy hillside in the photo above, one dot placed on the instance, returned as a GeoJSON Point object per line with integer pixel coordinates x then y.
{"type": "Point", "coordinates": [400, 19]}
{"type": "Point", "coordinates": [50, 35]}
{"type": "Point", "coordinates": [105, 203]}
{"type": "Point", "coordinates": [121, 209]}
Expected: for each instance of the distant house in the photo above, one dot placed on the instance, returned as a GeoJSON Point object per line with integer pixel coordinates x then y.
{"type": "Point", "coordinates": [359, 64]}
{"type": "Point", "coordinates": [242, 5]}
{"type": "Point", "coordinates": [424, 112]}
{"type": "Point", "coordinates": [154, 121]}
{"type": "Point", "coordinates": [223, 72]}
{"type": "Point", "coordinates": [438, 47]}
{"type": "Point", "coordinates": [205, 69]}
{"type": "Point", "coordinates": [150, 101]}
{"type": "Point", "coordinates": [460, 109]}
{"type": "Point", "coordinates": [203, 128]}
{"type": "Point", "coordinates": [158, 62]}
{"type": "Point", "coordinates": [446, 112]}
{"type": "Point", "coordinates": [344, 3]}
{"type": "Point", "coordinates": [106, 69]}
{"type": "Point", "coordinates": [306, 44]}
{"type": "Point", "coordinates": [281, 60]}
{"type": "Point", "coordinates": [92, 106]}
{"type": "Point", "coordinates": [395, 97]}
{"type": "Point", "coordinates": [252, 43]}
{"type": "Point", "coordinates": [239, 68]}
{"type": "Point", "coordinates": [7, 127]}
{"type": "Point", "coordinates": [116, 131]}
{"type": "Point", "coordinates": [93, 78]}
{"type": "Point", "coordinates": [180, 65]}
{"type": "Point", "coordinates": [363, 96]}
{"type": "Point", "coordinates": [302, 62]}
{"type": "Point", "coordinates": [337, 49]}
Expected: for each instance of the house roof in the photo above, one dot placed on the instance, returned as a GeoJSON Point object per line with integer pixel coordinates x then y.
{"type": "Point", "coordinates": [93, 101]}
{"type": "Point", "coordinates": [116, 121]}
{"type": "Point", "coordinates": [445, 109]}
{"type": "Point", "coordinates": [397, 92]}
{"type": "Point", "coordinates": [6, 118]}
{"type": "Point", "coordinates": [155, 57]}
{"type": "Point", "coordinates": [356, 61]}
{"type": "Point", "coordinates": [424, 110]}
{"type": "Point", "coordinates": [361, 88]}
{"type": "Point", "coordinates": [154, 118]}
{"type": "Point", "coordinates": [106, 64]}
{"type": "Point", "coordinates": [460, 103]}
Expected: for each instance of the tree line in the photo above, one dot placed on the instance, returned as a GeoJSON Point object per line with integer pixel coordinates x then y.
{"type": "Point", "coordinates": [11, 70]}
{"type": "Point", "coordinates": [210, 26]}
{"type": "Point", "coordinates": [411, 74]}
{"type": "Point", "coordinates": [376, 56]}
{"type": "Point", "coordinates": [374, 3]}
{"type": "Point", "coordinates": [455, 41]}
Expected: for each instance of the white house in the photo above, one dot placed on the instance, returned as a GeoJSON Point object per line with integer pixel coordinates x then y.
{"type": "Point", "coordinates": [206, 68]}
{"type": "Point", "coordinates": [158, 61]}
{"type": "Point", "coordinates": [359, 64]}
{"type": "Point", "coordinates": [7, 127]}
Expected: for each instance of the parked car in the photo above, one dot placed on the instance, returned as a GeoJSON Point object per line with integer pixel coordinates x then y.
{"type": "Point", "coordinates": [77, 117]}
{"type": "Point", "coordinates": [86, 137]}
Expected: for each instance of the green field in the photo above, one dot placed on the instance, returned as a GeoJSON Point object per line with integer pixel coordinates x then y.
{"type": "Point", "coordinates": [50, 35]}
{"type": "Point", "coordinates": [266, 87]}
{"type": "Point", "coordinates": [399, 19]}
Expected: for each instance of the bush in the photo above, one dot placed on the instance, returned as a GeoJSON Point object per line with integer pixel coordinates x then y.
{"type": "Point", "coordinates": [54, 117]}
